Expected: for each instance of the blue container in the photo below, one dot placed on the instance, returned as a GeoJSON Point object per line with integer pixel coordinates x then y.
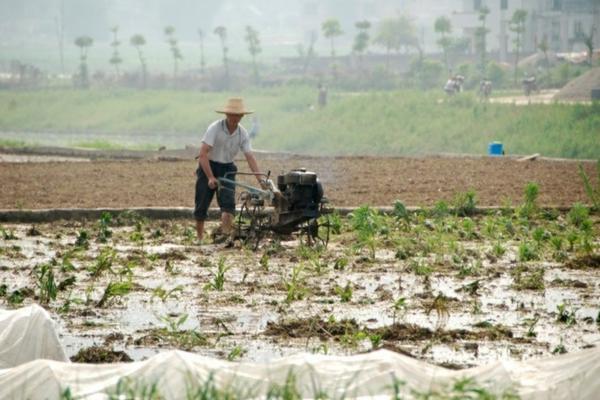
{"type": "Point", "coordinates": [495, 149]}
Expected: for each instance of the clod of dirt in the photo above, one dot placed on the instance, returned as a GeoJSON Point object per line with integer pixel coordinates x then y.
{"type": "Point", "coordinates": [310, 327]}
{"type": "Point", "coordinates": [113, 337]}
{"type": "Point", "coordinates": [587, 261]}
{"type": "Point", "coordinates": [100, 355]}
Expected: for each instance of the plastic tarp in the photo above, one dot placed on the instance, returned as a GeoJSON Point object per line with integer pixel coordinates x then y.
{"type": "Point", "coordinates": [177, 374]}
{"type": "Point", "coordinates": [28, 334]}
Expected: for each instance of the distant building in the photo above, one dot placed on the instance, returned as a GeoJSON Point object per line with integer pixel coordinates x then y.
{"type": "Point", "coordinates": [563, 23]}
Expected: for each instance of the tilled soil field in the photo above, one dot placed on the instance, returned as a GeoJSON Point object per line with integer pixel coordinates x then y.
{"type": "Point", "coordinates": [456, 290]}
{"type": "Point", "coordinates": [348, 181]}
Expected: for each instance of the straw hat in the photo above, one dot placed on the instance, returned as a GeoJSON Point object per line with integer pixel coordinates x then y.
{"type": "Point", "coordinates": [235, 105]}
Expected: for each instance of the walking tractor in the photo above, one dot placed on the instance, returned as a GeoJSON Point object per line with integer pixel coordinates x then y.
{"type": "Point", "coordinates": [295, 204]}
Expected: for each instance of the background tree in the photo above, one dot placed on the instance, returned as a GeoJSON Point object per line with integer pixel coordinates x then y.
{"type": "Point", "coordinates": [332, 29]}
{"type": "Point", "coordinates": [221, 32]}
{"type": "Point", "coordinates": [517, 26]}
{"type": "Point", "coordinates": [395, 34]}
{"type": "Point", "coordinates": [175, 52]}
{"type": "Point", "coordinates": [361, 41]}
{"type": "Point", "coordinates": [115, 59]}
{"type": "Point", "coordinates": [138, 41]}
{"type": "Point", "coordinates": [309, 54]}
{"type": "Point", "coordinates": [443, 26]}
{"type": "Point", "coordinates": [254, 48]}
{"type": "Point", "coordinates": [84, 43]}
{"type": "Point", "coordinates": [202, 61]}
{"type": "Point", "coordinates": [481, 39]}
{"type": "Point", "coordinates": [543, 47]}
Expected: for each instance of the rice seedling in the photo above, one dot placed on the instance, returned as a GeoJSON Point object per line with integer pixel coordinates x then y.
{"type": "Point", "coordinates": [17, 297]}
{"type": "Point", "coordinates": [376, 341]}
{"type": "Point", "coordinates": [236, 353]}
{"type": "Point", "coordinates": [400, 212]}
{"type": "Point", "coordinates": [104, 262]}
{"type": "Point", "coordinates": [564, 315]}
{"type": "Point", "coordinates": [531, 323]}
{"type": "Point", "coordinates": [471, 268]}
{"type": "Point", "coordinates": [174, 323]}
{"type": "Point", "coordinates": [579, 216]}
{"type": "Point", "coordinates": [529, 207]}
{"type": "Point", "coordinates": [164, 294]}
{"type": "Point", "coordinates": [465, 203]}
{"type": "Point", "coordinates": [44, 274]}
{"type": "Point", "coordinates": [114, 290]}
{"type": "Point", "coordinates": [104, 232]}
{"type": "Point", "coordinates": [498, 249]}
{"type": "Point", "coordinates": [560, 348]}
{"type": "Point", "coordinates": [264, 261]}
{"type": "Point", "coordinates": [367, 223]}
{"type": "Point", "coordinates": [468, 229]}
{"type": "Point", "coordinates": [527, 252]}
{"type": "Point", "coordinates": [345, 292]}
{"type": "Point", "coordinates": [83, 239]}
{"type": "Point", "coordinates": [340, 263]}
{"type": "Point", "coordinates": [218, 276]}
{"type": "Point", "coordinates": [7, 234]}
{"type": "Point", "coordinates": [295, 285]}
{"type": "Point", "coordinates": [420, 268]}
{"type": "Point", "coordinates": [399, 308]}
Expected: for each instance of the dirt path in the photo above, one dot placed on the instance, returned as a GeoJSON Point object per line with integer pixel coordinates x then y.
{"type": "Point", "coordinates": [348, 181]}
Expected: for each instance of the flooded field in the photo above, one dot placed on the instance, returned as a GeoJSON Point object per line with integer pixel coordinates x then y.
{"type": "Point", "coordinates": [454, 289]}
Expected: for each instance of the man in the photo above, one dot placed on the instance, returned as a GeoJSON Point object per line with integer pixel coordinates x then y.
{"type": "Point", "coordinates": [222, 141]}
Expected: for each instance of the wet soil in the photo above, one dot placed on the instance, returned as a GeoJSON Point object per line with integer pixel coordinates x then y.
{"type": "Point", "coordinates": [347, 181]}
{"type": "Point", "coordinates": [454, 291]}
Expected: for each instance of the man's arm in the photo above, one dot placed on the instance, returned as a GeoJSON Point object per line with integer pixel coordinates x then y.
{"type": "Point", "coordinates": [205, 165]}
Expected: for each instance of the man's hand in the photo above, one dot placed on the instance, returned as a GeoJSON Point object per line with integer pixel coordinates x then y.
{"type": "Point", "coordinates": [213, 183]}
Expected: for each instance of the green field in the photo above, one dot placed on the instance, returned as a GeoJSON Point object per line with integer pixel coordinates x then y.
{"type": "Point", "coordinates": [366, 123]}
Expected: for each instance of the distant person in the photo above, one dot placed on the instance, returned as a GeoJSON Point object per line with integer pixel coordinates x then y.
{"type": "Point", "coordinates": [485, 88]}
{"type": "Point", "coordinates": [222, 141]}
{"type": "Point", "coordinates": [322, 99]}
{"type": "Point", "coordinates": [529, 84]}
{"type": "Point", "coordinates": [454, 85]}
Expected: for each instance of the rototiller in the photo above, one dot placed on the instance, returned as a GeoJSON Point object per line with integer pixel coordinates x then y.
{"type": "Point", "coordinates": [298, 206]}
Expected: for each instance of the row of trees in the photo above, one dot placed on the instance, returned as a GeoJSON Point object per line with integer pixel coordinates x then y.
{"type": "Point", "coordinates": [395, 34]}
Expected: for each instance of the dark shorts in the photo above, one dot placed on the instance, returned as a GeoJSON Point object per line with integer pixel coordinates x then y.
{"type": "Point", "coordinates": [204, 194]}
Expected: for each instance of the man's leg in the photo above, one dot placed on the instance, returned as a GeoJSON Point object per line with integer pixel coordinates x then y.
{"type": "Point", "coordinates": [226, 222]}
{"type": "Point", "coordinates": [200, 229]}
{"type": "Point", "coordinates": [203, 197]}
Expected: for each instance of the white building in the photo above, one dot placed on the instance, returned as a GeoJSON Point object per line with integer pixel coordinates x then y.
{"type": "Point", "coordinates": [562, 23]}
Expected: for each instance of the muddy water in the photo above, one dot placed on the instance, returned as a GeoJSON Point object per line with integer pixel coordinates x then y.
{"type": "Point", "coordinates": [174, 297]}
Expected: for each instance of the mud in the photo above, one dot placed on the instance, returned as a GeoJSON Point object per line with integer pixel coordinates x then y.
{"type": "Point", "coordinates": [427, 289]}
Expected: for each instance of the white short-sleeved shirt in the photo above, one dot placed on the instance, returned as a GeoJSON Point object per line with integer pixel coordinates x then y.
{"type": "Point", "coordinates": [225, 146]}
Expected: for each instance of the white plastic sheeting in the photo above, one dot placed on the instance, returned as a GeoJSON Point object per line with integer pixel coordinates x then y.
{"type": "Point", "coordinates": [28, 334]}
{"type": "Point", "coordinates": [175, 373]}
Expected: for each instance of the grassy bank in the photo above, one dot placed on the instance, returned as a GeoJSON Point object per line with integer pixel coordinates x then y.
{"type": "Point", "coordinates": [386, 123]}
